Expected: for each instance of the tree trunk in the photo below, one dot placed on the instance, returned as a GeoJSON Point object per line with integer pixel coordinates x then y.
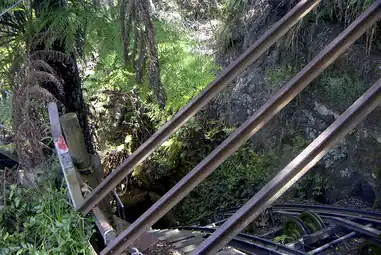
{"type": "Point", "coordinates": [152, 54]}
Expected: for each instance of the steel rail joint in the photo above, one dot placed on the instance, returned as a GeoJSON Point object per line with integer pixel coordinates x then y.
{"type": "Point", "coordinates": [242, 134]}
{"type": "Point", "coordinates": [225, 78]}
{"type": "Point", "coordinates": [293, 171]}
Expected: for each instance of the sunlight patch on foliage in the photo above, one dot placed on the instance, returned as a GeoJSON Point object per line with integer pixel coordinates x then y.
{"type": "Point", "coordinates": [6, 112]}
{"type": "Point", "coordinates": [42, 221]}
{"type": "Point", "coordinates": [183, 72]}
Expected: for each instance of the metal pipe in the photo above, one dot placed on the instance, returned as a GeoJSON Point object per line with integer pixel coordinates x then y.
{"type": "Point", "coordinates": [224, 79]}
{"type": "Point", "coordinates": [293, 171]}
{"type": "Point", "coordinates": [333, 243]}
{"type": "Point", "coordinates": [363, 229]}
{"type": "Point", "coordinates": [330, 215]}
{"type": "Point", "coordinates": [246, 130]}
{"type": "Point", "coordinates": [325, 211]}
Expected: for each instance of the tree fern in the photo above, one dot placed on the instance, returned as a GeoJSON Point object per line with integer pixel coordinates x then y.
{"type": "Point", "coordinates": [30, 97]}
{"type": "Point", "coordinates": [40, 77]}
{"type": "Point", "coordinates": [49, 55]}
{"type": "Point", "coordinates": [40, 64]}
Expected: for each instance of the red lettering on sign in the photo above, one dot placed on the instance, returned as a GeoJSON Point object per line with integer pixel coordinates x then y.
{"type": "Point", "coordinates": [61, 144]}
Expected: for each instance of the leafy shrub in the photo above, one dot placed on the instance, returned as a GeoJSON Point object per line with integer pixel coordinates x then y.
{"type": "Point", "coordinates": [276, 76]}
{"type": "Point", "coordinates": [232, 184]}
{"type": "Point", "coordinates": [42, 221]}
{"type": "Point", "coordinates": [6, 112]}
{"type": "Point", "coordinates": [342, 88]}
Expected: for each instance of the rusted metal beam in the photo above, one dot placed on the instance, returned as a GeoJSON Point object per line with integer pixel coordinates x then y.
{"type": "Point", "coordinates": [248, 129]}
{"type": "Point", "coordinates": [293, 171]}
{"type": "Point", "coordinates": [224, 79]}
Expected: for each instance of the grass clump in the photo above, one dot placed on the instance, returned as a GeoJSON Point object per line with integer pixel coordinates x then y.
{"type": "Point", "coordinates": [276, 76]}
{"type": "Point", "coordinates": [42, 221]}
{"type": "Point", "coordinates": [342, 88]}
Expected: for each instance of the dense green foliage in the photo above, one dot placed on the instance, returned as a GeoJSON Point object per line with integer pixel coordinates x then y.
{"type": "Point", "coordinates": [232, 184]}
{"type": "Point", "coordinates": [343, 87]}
{"type": "Point", "coordinates": [235, 181]}
{"type": "Point", "coordinates": [42, 221]}
{"type": "Point", "coordinates": [6, 111]}
{"type": "Point", "coordinates": [184, 73]}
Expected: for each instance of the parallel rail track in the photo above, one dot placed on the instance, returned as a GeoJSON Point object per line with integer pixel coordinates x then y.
{"type": "Point", "coordinates": [339, 220]}
{"type": "Point", "coordinates": [251, 244]}
{"type": "Point", "coordinates": [291, 209]}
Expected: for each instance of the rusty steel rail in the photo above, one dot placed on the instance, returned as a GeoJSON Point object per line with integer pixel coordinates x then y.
{"type": "Point", "coordinates": [294, 170]}
{"type": "Point", "coordinates": [224, 79]}
{"type": "Point", "coordinates": [278, 101]}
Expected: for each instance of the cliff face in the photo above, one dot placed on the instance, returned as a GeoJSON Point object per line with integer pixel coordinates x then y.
{"type": "Point", "coordinates": [352, 167]}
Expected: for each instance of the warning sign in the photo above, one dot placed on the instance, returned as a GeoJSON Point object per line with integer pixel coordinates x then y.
{"type": "Point", "coordinates": [61, 145]}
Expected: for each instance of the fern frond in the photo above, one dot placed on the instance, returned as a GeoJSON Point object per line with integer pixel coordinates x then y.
{"type": "Point", "coordinates": [50, 56]}
{"type": "Point", "coordinates": [41, 65]}
{"type": "Point", "coordinates": [41, 77]}
{"type": "Point", "coordinates": [38, 39]}
{"type": "Point", "coordinates": [41, 94]}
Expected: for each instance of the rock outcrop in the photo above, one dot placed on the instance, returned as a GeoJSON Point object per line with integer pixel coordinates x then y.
{"type": "Point", "coordinates": [352, 167]}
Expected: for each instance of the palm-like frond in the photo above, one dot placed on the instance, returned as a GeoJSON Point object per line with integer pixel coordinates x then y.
{"type": "Point", "coordinates": [41, 65]}
{"type": "Point", "coordinates": [41, 77]}
{"type": "Point", "coordinates": [50, 55]}
{"type": "Point", "coordinates": [30, 96]}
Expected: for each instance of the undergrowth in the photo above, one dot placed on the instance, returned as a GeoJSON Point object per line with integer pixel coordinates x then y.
{"type": "Point", "coordinates": [237, 13]}
{"type": "Point", "coordinates": [276, 76]}
{"type": "Point", "coordinates": [184, 73]}
{"type": "Point", "coordinates": [342, 87]}
{"type": "Point", "coordinates": [42, 221]}
{"type": "Point", "coordinates": [232, 184]}
{"type": "Point", "coordinates": [238, 179]}
{"type": "Point", "coordinates": [6, 111]}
